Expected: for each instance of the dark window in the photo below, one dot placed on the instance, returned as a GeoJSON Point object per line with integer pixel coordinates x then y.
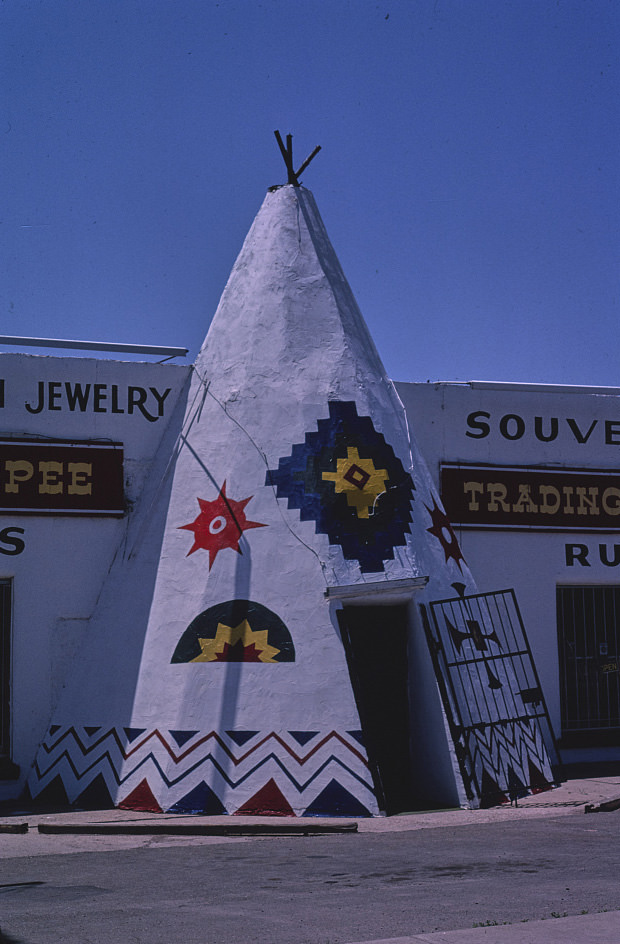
{"type": "Point", "coordinates": [5, 667]}
{"type": "Point", "coordinates": [589, 656]}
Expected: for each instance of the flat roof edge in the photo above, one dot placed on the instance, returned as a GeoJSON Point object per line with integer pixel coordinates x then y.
{"type": "Point", "coordinates": [507, 385]}
{"type": "Point", "coordinates": [70, 344]}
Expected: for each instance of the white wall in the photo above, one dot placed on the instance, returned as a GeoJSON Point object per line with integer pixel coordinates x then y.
{"type": "Point", "coordinates": [58, 575]}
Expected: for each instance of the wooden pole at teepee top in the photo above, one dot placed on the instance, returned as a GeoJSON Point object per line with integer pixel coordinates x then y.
{"type": "Point", "coordinates": [287, 156]}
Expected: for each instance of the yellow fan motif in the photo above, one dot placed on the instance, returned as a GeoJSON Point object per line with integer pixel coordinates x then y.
{"type": "Point", "coordinates": [359, 480]}
{"type": "Point", "coordinates": [227, 637]}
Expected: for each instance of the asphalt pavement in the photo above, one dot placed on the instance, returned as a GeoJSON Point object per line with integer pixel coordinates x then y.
{"type": "Point", "coordinates": [27, 833]}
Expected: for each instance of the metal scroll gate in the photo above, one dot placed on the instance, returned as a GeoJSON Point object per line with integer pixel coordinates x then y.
{"type": "Point", "coordinates": [492, 697]}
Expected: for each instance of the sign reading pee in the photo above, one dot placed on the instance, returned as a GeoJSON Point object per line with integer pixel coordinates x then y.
{"type": "Point", "coordinates": [48, 477]}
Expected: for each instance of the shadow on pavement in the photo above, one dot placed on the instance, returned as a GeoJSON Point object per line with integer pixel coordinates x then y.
{"type": "Point", "coordinates": [9, 939]}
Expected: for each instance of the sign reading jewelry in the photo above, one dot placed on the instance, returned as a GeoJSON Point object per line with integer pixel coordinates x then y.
{"type": "Point", "coordinates": [531, 497]}
{"type": "Point", "coordinates": [41, 476]}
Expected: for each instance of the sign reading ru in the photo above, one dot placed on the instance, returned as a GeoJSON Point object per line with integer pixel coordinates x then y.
{"type": "Point", "coordinates": [538, 498]}
{"type": "Point", "coordinates": [41, 476]}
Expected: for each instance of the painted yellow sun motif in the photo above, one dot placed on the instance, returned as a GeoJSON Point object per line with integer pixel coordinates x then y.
{"type": "Point", "coordinates": [359, 480]}
{"type": "Point", "coordinates": [237, 644]}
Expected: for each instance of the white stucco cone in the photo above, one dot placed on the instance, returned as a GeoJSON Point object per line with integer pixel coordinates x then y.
{"type": "Point", "coordinates": [291, 472]}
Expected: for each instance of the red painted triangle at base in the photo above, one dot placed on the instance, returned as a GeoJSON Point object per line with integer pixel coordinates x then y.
{"type": "Point", "coordinates": [141, 799]}
{"type": "Point", "coordinates": [269, 801]}
{"type": "Point", "coordinates": [538, 783]}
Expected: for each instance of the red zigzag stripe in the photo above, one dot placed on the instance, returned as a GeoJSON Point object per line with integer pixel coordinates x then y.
{"type": "Point", "coordinates": [213, 735]}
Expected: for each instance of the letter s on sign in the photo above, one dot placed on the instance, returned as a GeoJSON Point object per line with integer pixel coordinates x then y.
{"type": "Point", "coordinates": [14, 545]}
{"type": "Point", "coordinates": [474, 423]}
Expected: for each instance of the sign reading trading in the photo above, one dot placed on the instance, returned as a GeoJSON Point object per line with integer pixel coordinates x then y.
{"type": "Point", "coordinates": [558, 499]}
{"type": "Point", "coordinates": [39, 476]}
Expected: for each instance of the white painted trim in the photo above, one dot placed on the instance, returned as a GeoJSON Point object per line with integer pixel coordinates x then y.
{"type": "Point", "coordinates": [379, 592]}
{"type": "Point", "coordinates": [70, 344]}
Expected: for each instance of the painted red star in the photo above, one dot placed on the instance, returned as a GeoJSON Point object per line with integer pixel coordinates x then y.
{"type": "Point", "coordinates": [442, 530]}
{"type": "Point", "coordinates": [219, 525]}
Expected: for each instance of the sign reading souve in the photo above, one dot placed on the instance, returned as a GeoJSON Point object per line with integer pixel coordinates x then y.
{"type": "Point", "coordinates": [41, 476]}
{"type": "Point", "coordinates": [529, 497]}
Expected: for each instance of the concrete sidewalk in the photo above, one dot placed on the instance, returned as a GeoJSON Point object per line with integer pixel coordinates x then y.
{"type": "Point", "coordinates": [77, 831]}
{"type": "Point", "coordinates": [571, 797]}
{"type": "Point", "coordinates": [601, 928]}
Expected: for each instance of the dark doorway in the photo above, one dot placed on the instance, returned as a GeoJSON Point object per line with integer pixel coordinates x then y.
{"type": "Point", "coordinates": [375, 641]}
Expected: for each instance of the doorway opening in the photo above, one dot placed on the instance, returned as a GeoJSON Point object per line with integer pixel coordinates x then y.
{"type": "Point", "coordinates": [375, 640]}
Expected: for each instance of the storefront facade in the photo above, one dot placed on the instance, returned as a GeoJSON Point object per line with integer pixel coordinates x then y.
{"type": "Point", "coordinates": [529, 478]}
{"type": "Point", "coordinates": [78, 439]}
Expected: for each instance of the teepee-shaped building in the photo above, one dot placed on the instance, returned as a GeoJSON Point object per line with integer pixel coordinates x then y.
{"type": "Point", "coordinates": [258, 645]}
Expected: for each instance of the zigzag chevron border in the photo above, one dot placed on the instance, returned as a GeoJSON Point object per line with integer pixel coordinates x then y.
{"type": "Point", "coordinates": [509, 747]}
{"type": "Point", "coordinates": [300, 769]}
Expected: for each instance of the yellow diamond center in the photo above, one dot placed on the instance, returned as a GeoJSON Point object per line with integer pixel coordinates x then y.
{"type": "Point", "coordinates": [358, 479]}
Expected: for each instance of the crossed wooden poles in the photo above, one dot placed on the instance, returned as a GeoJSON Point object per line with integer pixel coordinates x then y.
{"type": "Point", "coordinates": [287, 154]}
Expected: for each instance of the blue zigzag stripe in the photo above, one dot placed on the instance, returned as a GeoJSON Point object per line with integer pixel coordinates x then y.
{"type": "Point", "coordinates": [208, 758]}
{"type": "Point", "coordinates": [112, 732]}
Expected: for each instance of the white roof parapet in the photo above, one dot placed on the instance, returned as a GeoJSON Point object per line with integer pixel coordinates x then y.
{"type": "Point", "coordinates": [95, 346]}
{"type": "Point", "coordinates": [515, 385]}
{"type": "Point", "coordinates": [543, 387]}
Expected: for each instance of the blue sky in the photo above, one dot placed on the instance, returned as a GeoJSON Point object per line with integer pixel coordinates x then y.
{"type": "Point", "coordinates": [469, 177]}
